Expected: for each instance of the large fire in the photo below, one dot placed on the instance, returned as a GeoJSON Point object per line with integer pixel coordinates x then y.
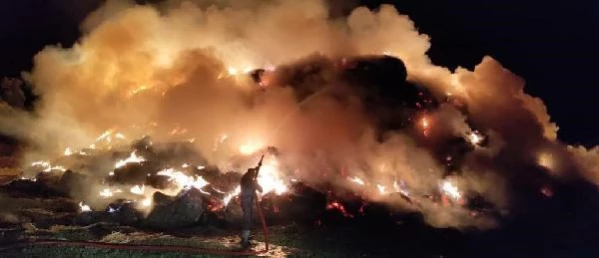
{"type": "Point", "coordinates": [335, 99]}
{"type": "Point", "coordinates": [269, 178]}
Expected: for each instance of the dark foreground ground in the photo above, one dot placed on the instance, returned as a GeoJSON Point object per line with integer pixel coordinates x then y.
{"type": "Point", "coordinates": [558, 227]}
{"type": "Point", "coordinates": [409, 240]}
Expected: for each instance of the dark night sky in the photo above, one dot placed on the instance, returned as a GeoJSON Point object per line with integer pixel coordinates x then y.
{"type": "Point", "coordinates": [552, 44]}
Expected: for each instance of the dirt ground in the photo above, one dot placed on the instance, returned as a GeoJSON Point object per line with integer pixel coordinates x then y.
{"type": "Point", "coordinates": [287, 241]}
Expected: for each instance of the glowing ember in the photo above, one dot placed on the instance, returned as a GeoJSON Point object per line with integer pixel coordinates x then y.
{"type": "Point", "coordinates": [139, 190]}
{"type": "Point", "coordinates": [69, 152]}
{"type": "Point", "coordinates": [425, 123]}
{"type": "Point", "coordinates": [106, 193]}
{"type": "Point", "coordinates": [185, 165]}
{"type": "Point", "coordinates": [59, 168]}
{"type": "Point", "coordinates": [47, 166]}
{"type": "Point", "coordinates": [107, 137]}
{"type": "Point", "coordinates": [104, 135]}
{"type": "Point", "coordinates": [475, 137]}
{"type": "Point", "coordinates": [547, 191]}
{"type": "Point", "coordinates": [131, 159]}
{"type": "Point", "coordinates": [451, 190]}
{"type": "Point", "coordinates": [200, 167]}
{"type": "Point", "coordinates": [217, 190]}
{"type": "Point", "coordinates": [41, 163]}
{"type": "Point", "coordinates": [381, 189]}
{"type": "Point", "coordinates": [357, 180]}
{"type": "Point", "coordinates": [138, 90]}
{"type": "Point", "coordinates": [178, 131]}
{"type": "Point", "coordinates": [401, 188]}
{"type": "Point", "coordinates": [232, 71]}
{"type": "Point", "coordinates": [183, 180]}
{"type": "Point", "coordinates": [83, 207]}
{"type": "Point", "coordinates": [339, 207]}
{"type": "Point", "coordinates": [147, 202]}
{"type": "Point", "coordinates": [33, 179]}
{"type": "Point", "coordinates": [546, 160]}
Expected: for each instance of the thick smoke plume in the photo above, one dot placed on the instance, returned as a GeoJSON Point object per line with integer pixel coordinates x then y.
{"type": "Point", "coordinates": [178, 71]}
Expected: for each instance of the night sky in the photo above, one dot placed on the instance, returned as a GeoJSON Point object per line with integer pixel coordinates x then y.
{"type": "Point", "coordinates": [551, 44]}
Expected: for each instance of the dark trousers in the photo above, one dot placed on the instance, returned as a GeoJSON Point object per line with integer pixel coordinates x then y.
{"type": "Point", "coordinates": [247, 201]}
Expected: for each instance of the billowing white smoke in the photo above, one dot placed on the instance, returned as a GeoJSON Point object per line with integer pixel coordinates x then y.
{"type": "Point", "coordinates": [150, 70]}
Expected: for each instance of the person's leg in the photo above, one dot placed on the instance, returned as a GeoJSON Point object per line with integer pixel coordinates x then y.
{"type": "Point", "coordinates": [246, 205]}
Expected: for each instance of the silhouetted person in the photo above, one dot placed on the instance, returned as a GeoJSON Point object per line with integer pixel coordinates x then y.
{"type": "Point", "coordinates": [249, 186]}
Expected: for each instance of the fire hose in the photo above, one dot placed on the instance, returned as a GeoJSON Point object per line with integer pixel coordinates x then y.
{"type": "Point", "coordinates": [154, 248]}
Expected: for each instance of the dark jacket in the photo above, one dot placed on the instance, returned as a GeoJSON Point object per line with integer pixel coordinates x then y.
{"type": "Point", "coordinates": [249, 184]}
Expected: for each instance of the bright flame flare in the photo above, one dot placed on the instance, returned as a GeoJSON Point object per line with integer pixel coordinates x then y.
{"type": "Point", "coordinates": [269, 179]}
{"type": "Point", "coordinates": [183, 180]}
{"type": "Point", "coordinates": [230, 196]}
{"type": "Point", "coordinates": [139, 190]}
{"type": "Point", "coordinates": [133, 158]}
{"type": "Point", "coordinates": [451, 190]}
{"type": "Point", "coordinates": [106, 193]}
{"type": "Point", "coordinates": [401, 188]}
{"type": "Point", "coordinates": [357, 180]}
{"type": "Point", "coordinates": [41, 163]}
{"type": "Point", "coordinates": [47, 166]}
{"type": "Point", "coordinates": [475, 137]}
{"type": "Point", "coordinates": [146, 202]}
{"type": "Point", "coordinates": [381, 189]}
{"type": "Point", "coordinates": [250, 147]}
{"type": "Point", "coordinates": [84, 207]}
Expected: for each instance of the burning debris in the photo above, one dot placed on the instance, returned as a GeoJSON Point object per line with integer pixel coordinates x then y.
{"type": "Point", "coordinates": [84, 207]}
{"type": "Point", "coordinates": [131, 159]}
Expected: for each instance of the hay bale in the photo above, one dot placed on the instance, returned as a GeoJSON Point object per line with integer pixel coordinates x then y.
{"type": "Point", "coordinates": [29, 189]}
{"type": "Point", "coordinates": [123, 212]}
{"type": "Point", "coordinates": [185, 210]}
{"type": "Point", "coordinates": [45, 219]}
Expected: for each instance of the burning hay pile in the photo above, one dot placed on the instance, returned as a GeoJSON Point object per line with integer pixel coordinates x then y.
{"type": "Point", "coordinates": [354, 119]}
{"type": "Point", "coordinates": [171, 185]}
